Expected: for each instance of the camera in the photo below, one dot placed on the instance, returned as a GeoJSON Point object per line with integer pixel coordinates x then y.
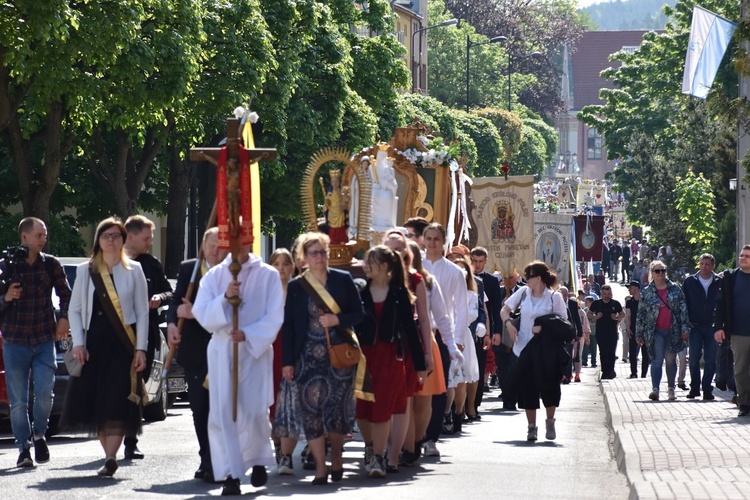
{"type": "Point", "coordinates": [12, 256]}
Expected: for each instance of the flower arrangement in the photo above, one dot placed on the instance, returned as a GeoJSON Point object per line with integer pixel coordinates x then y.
{"type": "Point", "coordinates": [437, 153]}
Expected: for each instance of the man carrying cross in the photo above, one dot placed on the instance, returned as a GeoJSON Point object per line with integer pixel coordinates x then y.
{"type": "Point", "coordinates": [241, 302]}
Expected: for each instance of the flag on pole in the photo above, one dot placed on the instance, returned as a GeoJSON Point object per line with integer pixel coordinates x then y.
{"type": "Point", "coordinates": [709, 37]}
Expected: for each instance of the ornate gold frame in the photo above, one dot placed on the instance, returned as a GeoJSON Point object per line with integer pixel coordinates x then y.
{"type": "Point", "coordinates": [307, 188]}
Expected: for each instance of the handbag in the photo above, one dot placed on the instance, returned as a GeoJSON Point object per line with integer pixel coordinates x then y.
{"type": "Point", "coordinates": [74, 367]}
{"type": "Point", "coordinates": [515, 320]}
{"type": "Point", "coordinates": [344, 355]}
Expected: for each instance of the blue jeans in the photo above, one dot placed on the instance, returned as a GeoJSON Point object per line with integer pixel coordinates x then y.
{"type": "Point", "coordinates": [661, 343]}
{"type": "Point", "coordinates": [20, 361]}
{"type": "Point", "coordinates": [702, 343]}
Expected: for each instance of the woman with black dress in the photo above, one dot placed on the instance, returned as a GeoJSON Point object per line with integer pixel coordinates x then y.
{"type": "Point", "coordinates": [108, 315]}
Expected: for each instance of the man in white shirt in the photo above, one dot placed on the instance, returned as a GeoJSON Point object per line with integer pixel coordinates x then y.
{"type": "Point", "coordinates": [453, 286]}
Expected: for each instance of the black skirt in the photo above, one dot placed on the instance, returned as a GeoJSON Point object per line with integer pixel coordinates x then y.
{"type": "Point", "coordinates": [97, 401]}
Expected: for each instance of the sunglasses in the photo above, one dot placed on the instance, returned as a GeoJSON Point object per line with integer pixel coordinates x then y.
{"type": "Point", "coordinates": [659, 271]}
{"type": "Point", "coordinates": [317, 253]}
{"type": "Point", "coordinates": [111, 236]}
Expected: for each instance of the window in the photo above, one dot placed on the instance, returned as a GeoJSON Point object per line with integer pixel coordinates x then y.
{"type": "Point", "coordinates": [594, 145]}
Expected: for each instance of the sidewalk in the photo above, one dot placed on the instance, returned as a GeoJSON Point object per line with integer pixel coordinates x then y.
{"type": "Point", "coordinates": [677, 449]}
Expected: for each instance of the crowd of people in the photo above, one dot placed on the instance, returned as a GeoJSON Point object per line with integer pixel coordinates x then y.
{"type": "Point", "coordinates": [402, 356]}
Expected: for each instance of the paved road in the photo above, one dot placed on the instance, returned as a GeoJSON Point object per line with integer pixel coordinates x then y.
{"type": "Point", "coordinates": [490, 460]}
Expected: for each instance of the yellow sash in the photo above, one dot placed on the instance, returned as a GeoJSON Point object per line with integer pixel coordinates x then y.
{"type": "Point", "coordinates": [362, 381]}
{"type": "Point", "coordinates": [115, 299]}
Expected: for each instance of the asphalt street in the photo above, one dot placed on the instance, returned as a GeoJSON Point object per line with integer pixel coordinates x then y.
{"type": "Point", "coordinates": [491, 459]}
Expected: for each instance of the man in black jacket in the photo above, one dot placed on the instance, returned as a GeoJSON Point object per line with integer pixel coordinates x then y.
{"type": "Point", "coordinates": [137, 245]}
{"type": "Point", "coordinates": [701, 290]}
{"type": "Point", "coordinates": [494, 304]}
{"type": "Point", "coordinates": [732, 322]}
{"type": "Point", "coordinates": [193, 341]}
{"type": "Point", "coordinates": [504, 357]}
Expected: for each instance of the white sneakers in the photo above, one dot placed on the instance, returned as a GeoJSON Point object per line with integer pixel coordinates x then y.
{"type": "Point", "coordinates": [670, 394]}
{"type": "Point", "coordinates": [286, 466]}
{"type": "Point", "coordinates": [430, 450]}
{"type": "Point", "coordinates": [377, 466]}
{"type": "Point", "coordinates": [551, 434]}
{"type": "Point", "coordinates": [531, 435]}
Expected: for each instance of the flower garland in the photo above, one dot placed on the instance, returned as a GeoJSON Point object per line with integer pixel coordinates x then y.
{"type": "Point", "coordinates": [436, 154]}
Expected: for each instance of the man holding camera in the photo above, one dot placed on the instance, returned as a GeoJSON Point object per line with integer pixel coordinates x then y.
{"type": "Point", "coordinates": [27, 321]}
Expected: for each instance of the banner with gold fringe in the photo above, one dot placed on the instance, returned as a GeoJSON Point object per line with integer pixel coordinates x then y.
{"type": "Point", "coordinates": [504, 215]}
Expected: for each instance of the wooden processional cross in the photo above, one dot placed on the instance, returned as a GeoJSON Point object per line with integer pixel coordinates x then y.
{"type": "Point", "coordinates": [238, 182]}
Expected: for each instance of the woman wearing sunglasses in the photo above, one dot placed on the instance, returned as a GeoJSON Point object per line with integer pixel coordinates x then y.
{"type": "Point", "coordinates": [662, 326]}
{"type": "Point", "coordinates": [536, 376]}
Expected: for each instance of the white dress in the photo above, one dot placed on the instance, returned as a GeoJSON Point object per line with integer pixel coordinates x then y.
{"type": "Point", "coordinates": [237, 446]}
{"type": "Point", "coordinates": [466, 370]}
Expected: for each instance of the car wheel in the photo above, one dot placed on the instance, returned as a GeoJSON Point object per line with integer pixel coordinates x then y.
{"type": "Point", "coordinates": [157, 410]}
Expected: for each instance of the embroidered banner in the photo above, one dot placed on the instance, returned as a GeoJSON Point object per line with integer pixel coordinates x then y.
{"type": "Point", "coordinates": [504, 214]}
{"type": "Point", "coordinates": [584, 196]}
{"type": "Point", "coordinates": [620, 224]}
{"type": "Point", "coordinates": [589, 231]}
{"type": "Point", "coordinates": [552, 236]}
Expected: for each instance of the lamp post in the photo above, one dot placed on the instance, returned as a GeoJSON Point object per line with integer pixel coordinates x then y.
{"type": "Point", "coordinates": [510, 63]}
{"type": "Point", "coordinates": [568, 159]}
{"type": "Point", "coordinates": [469, 45]}
{"type": "Point", "coordinates": [449, 22]}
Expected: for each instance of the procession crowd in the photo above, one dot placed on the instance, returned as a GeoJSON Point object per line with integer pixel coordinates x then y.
{"type": "Point", "coordinates": [298, 350]}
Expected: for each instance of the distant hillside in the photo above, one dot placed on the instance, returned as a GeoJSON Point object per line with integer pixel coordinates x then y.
{"type": "Point", "coordinates": [628, 15]}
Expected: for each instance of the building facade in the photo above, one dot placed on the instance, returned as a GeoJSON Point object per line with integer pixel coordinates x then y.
{"type": "Point", "coordinates": [582, 150]}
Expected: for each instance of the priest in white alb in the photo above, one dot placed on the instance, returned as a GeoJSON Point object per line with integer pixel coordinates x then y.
{"type": "Point", "coordinates": [237, 446]}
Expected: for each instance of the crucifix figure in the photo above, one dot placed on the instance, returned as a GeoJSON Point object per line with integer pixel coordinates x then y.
{"type": "Point", "coordinates": [237, 205]}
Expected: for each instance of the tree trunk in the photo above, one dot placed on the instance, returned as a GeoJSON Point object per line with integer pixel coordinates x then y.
{"type": "Point", "coordinates": [181, 175]}
{"type": "Point", "coordinates": [38, 184]}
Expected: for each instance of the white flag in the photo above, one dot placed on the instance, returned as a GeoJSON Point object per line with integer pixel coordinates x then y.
{"type": "Point", "coordinates": [709, 37]}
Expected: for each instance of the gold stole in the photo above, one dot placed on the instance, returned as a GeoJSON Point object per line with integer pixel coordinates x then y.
{"type": "Point", "coordinates": [362, 379]}
{"type": "Point", "coordinates": [113, 297]}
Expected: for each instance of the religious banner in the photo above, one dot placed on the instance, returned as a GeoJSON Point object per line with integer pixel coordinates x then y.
{"type": "Point", "coordinates": [584, 194]}
{"type": "Point", "coordinates": [599, 194]}
{"type": "Point", "coordinates": [589, 231]}
{"type": "Point", "coordinates": [552, 237]}
{"type": "Point", "coordinates": [504, 216]}
{"type": "Point", "coordinates": [620, 223]}
{"type": "Point", "coordinates": [565, 195]}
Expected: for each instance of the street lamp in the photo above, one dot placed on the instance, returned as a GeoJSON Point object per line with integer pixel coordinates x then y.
{"type": "Point", "coordinates": [568, 159]}
{"type": "Point", "coordinates": [449, 22]}
{"type": "Point", "coordinates": [510, 60]}
{"type": "Point", "coordinates": [469, 45]}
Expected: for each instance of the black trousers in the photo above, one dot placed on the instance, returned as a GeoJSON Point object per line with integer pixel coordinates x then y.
{"type": "Point", "coordinates": [633, 349]}
{"type": "Point", "coordinates": [198, 399]}
{"type": "Point", "coordinates": [607, 351]}
{"type": "Point", "coordinates": [482, 359]}
{"type": "Point", "coordinates": [435, 426]}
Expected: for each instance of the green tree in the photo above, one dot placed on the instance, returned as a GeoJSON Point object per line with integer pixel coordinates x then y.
{"type": "Point", "coordinates": [542, 26]}
{"type": "Point", "coordinates": [695, 202]}
{"type": "Point", "coordinates": [659, 133]}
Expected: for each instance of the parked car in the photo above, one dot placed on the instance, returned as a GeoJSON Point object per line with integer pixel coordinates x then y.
{"type": "Point", "coordinates": [161, 393]}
